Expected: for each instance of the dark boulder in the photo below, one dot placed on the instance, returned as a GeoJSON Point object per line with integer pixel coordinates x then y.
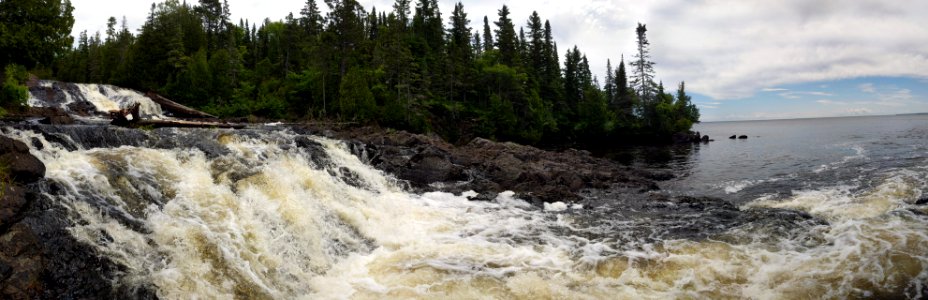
{"type": "Point", "coordinates": [922, 201]}
{"type": "Point", "coordinates": [743, 137]}
{"type": "Point", "coordinates": [23, 167]}
{"type": "Point", "coordinates": [705, 139]}
{"type": "Point", "coordinates": [489, 167]}
{"type": "Point", "coordinates": [12, 202]}
{"type": "Point", "coordinates": [8, 145]}
{"type": "Point", "coordinates": [733, 137]}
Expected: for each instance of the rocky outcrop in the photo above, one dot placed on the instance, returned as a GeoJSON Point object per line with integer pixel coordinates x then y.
{"type": "Point", "coordinates": [39, 259]}
{"type": "Point", "coordinates": [489, 167]}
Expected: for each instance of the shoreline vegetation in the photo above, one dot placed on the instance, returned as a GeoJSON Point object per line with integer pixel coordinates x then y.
{"type": "Point", "coordinates": [409, 68]}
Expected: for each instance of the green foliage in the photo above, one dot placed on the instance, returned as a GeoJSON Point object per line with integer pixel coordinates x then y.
{"type": "Point", "coordinates": [34, 32]}
{"type": "Point", "coordinates": [13, 94]}
{"type": "Point", "coordinates": [404, 69]}
{"type": "Point", "coordinates": [356, 102]}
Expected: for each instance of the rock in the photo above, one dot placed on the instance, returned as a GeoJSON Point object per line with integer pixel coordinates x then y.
{"type": "Point", "coordinates": [743, 137]}
{"type": "Point", "coordinates": [733, 137]}
{"type": "Point", "coordinates": [484, 197]}
{"type": "Point", "coordinates": [23, 167]}
{"type": "Point", "coordinates": [12, 203]}
{"type": "Point", "coordinates": [21, 256]}
{"type": "Point", "coordinates": [705, 139]}
{"type": "Point", "coordinates": [8, 145]}
{"type": "Point", "coordinates": [489, 167]}
{"type": "Point", "coordinates": [922, 201]}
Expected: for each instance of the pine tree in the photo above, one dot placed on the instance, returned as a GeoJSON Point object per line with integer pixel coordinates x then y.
{"type": "Point", "coordinates": [506, 40]}
{"type": "Point", "coordinates": [311, 18]}
{"type": "Point", "coordinates": [609, 86]}
{"type": "Point", "coordinates": [643, 74]}
{"type": "Point", "coordinates": [487, 35]}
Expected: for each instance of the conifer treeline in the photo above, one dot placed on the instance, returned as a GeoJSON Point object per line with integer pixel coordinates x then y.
{"type": "Point", "coordinates": [408, 68]}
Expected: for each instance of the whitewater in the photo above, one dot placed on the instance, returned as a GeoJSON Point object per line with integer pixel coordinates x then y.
{"type": "Point", "coordinates": [268, 213]}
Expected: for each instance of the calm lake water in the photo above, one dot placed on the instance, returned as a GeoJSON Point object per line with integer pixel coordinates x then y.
{"type": "Point", "coordinates": [783, 156]}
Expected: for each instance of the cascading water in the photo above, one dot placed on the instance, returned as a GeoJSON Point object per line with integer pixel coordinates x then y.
{"type": "Point", "coordinates": [91, 98]}
{"type": "Point", "coordinates": [276, 215]}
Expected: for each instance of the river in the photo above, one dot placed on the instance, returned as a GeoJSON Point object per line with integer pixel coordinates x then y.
{"type": "Point", "coordinates": [821, 208]}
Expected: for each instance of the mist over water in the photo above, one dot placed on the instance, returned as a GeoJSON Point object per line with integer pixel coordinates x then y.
{"type": "Point", "coordinates": [811, 210]}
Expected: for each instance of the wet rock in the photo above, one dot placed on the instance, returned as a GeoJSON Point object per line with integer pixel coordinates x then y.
{"type": "Point", "coordinates": [23, 167]}
{"type": "Point", "coordinates": [12, 203]}
{"type": "Point", "coordinates": [52, 115]}
{"type": "Point", "coordinates": [733, 137]}
{"type": "Point", "coordinates": [742, 137]}
{"type": "Point", "coordinates": [21, 255]}
{"type": "Point", "coordinates": [705, 139]}
{"type": "Point", "coordinates": [8, 145]}
{"type": "Point", "coordinates": [484, 197]}
{"type": "Point", "coordinates": [922, 201]}
{"type": "Point", "coordinates": [490, 167]}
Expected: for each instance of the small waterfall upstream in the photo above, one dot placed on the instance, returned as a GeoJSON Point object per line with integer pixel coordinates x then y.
{"type": "Point", "coordinates": [90, 99]}
{"type": "Point", "coordinates": [272, 214]}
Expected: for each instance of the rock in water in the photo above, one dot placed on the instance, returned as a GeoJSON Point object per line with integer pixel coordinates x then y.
{"type": "Point", "coordinates": [733, 137]}
{"type": "Point", "coordinates": [23, 167]}
{"type": "Point", "coordinates": [743, 137]}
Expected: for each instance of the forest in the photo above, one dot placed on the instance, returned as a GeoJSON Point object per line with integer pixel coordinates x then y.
{"type": "Point", "coordinates": [407, 68]}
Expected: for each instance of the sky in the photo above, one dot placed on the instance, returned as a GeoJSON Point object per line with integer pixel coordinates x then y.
{"type": "Point", "coordinates": [740, 59]}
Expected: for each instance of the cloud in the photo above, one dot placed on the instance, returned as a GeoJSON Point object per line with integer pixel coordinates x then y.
{"type": "Point", "coordinates": [831, 102]}
{"type": "Point", "coordinates": [798, 95]}
{"type": "Point", "coordinates": [730, 49]}
{"type": "Point", "coordinates": [774, 90]}
{"type": "Point", "coordinates": [859, 111]}
{"type": "Point", "coordinates": [867, 88]}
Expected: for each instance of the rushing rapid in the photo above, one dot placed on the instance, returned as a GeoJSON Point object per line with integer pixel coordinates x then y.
{"type": "Point", "coordinates": [90, 99]}
{"type": "Point", "coordinates": [271, 214]}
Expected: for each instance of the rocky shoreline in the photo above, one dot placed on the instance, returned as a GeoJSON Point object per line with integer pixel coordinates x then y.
{"type": "Point", "coordinates": [488, 167]}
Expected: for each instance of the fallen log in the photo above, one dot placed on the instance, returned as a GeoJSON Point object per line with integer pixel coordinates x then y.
{"type": "Point", "coordinates": [184, 123]}
{"type": "Point", "coordinates": [178, 109]}
{"type": "Point", "coordinates": [121, 118]}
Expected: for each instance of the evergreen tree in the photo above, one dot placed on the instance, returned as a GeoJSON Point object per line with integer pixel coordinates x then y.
{"type": "Point", "coordinates": [506, 40]}
{"type": "Point", "coordinates": [34, 32]}
{"type": "Point", "coordinates": [459, 51]}
{"type": "Point", "coordinates": [310, 18]}
{"type": "Point", "coordinates": [643, 74]}
{"type": "Point", "coordinates": [609, 87]}
{"type": "Point", "coordinates": [487, 35]}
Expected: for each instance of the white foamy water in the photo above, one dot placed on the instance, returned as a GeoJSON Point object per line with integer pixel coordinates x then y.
{"type": "Point", "coordinates": [104, 98]}
{"type": "Point", "coordinates": [271, 220]}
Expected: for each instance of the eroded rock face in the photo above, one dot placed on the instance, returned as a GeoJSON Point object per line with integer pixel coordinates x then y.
{"type": "Point", "coordinates": [490, 167]}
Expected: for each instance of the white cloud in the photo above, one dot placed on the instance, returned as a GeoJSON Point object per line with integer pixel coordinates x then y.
{"type": "Point", "coordinates": [859, 111]}
{"type": "Point", "coordinates": [867, 88]}
{"type": "Point", "coordinates": [830, 102]}
{"type": "Point", "coordinates": [799, 95]}
{"type": "Point", "coordinates": [774, 90]}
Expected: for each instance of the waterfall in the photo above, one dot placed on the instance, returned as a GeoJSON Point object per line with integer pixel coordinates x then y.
{"type": "Point", "coordinates": [259, 214]}
{"type": "Point", "coordinates": [93, 99]}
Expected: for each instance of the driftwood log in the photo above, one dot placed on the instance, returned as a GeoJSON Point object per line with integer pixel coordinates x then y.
{"type": "Point", "coordinates": [121, 118]}
{"type": "Point", "coordinates": [176, 108]}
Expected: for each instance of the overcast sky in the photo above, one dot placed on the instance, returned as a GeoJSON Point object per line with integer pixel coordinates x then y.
{"type": "Point", "coordinates": [742, 59]}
